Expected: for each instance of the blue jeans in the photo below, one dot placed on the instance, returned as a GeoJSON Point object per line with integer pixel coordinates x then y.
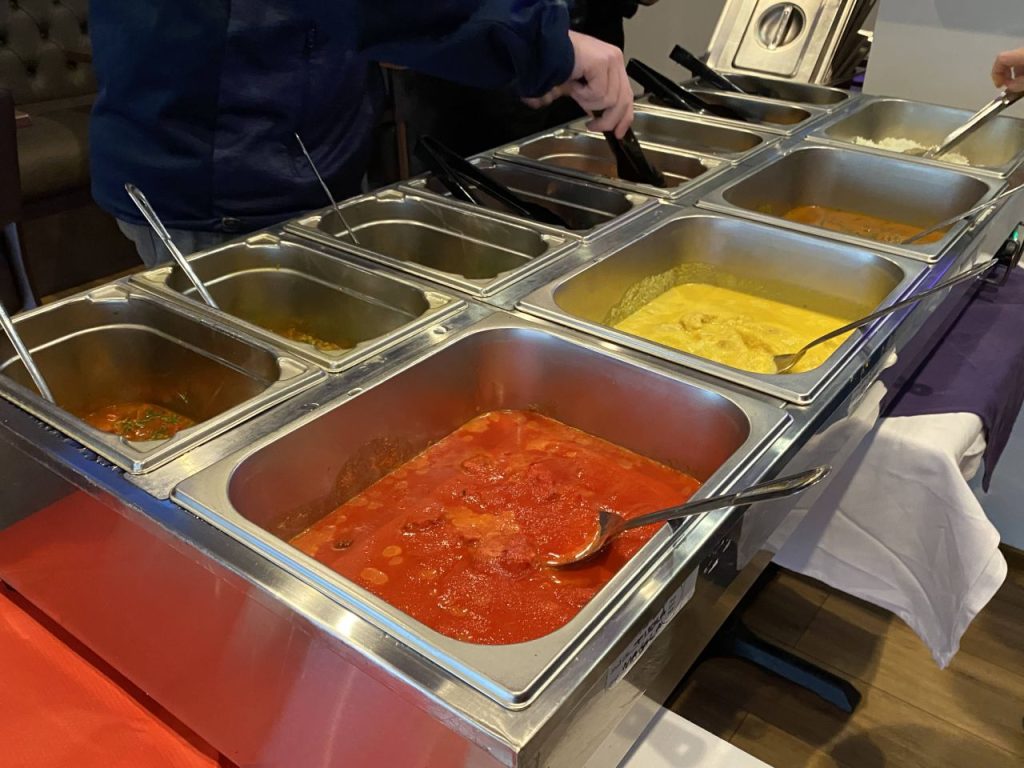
{"type": "Point", "coordinates": [153, 252]}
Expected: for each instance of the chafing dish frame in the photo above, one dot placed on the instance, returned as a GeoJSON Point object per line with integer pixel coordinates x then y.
{"type": "Point", "coordinates": [687, 120]}
{"type": "Point", "coordinates": [638, 203]}
{"type": "Point", "coordinates": [754, 103]}
{"type": "Point", "coordinates": [829, 134]}
{"type": "Point", "coordinates": [556, 242]}
{"type": "Point", "coordinates": [138, 458]}
{"type": "Point", "coordinates": [837, 97]}
{"type": "Point", "coordinates": [512, 676]}
{"type": "Point", "coordinates": [713, 165]}
{"type": "Point", "coordinates": [883, 167]}
{"type": "Point", "coordinates": [438, 305]}
{"type": "Point", "coordinates": [797, 388]}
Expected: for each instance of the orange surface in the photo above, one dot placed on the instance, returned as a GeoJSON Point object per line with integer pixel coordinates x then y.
{"type": "Point", "coordinates": [859, 224]}
{"type": "Point", "coordinates": [58, 710]}
{"type": "Point", "coordinates": [457, 538]}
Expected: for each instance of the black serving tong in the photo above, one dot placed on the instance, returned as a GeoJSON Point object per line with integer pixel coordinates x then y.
{"type": "Point", "coordinates": [630, 160]}
{"type": "Point", "coordinates": [676, 95]}
{"type": "Point", "coordinates": [702, 71]}
{"type": "Point", "coordinates": [460, 176]}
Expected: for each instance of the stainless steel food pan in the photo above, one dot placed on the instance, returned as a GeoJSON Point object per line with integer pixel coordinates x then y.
{"type": "Point", "coordinates": [819, 96]}
{"type": "Point", "coordinates": [691, 133]}
{"type": "Point", "coordinates": [998, 147]}
{"type": "Point", "coordinates": [117, 345]}
{"type": "Point", "coordinates": [859, 182]}
{"type": "Point", "coordinates": [587, 156]}
{"type": "Point", "coordinates": [273, 286]}
{"type": "Point", "coordinates": [589, 209]}
{"type": "Point", "coordinates": [286, 482]}
{"type": "Point", "coordinates": [833, 277]}
{"type": "Point", "coordinates": [477, 253]}
{"type": "Point", "coordinates": [767, 114]}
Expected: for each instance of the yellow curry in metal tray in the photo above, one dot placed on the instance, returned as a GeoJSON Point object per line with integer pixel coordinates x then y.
{"type": "Point", "coordinates": [735, 321]}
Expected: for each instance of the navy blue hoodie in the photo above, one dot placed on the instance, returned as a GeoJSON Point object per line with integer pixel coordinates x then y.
{"type": "Point", "coordinates": [199, 99]}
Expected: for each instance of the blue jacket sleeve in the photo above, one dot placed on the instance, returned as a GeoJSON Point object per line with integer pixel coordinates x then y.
{"type": "Point", "coordinates": [523, 44]}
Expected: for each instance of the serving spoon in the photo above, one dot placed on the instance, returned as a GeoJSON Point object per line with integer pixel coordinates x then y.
{"type": "Point", "coordinates": [327, 190]}
{"type": "Point", "coordinates": [978, 120]}
{"type": "Point", "coordinates": [611, 524]}
{"type": "Point", "coordinates": [945, 223]}
{"type": "Point", "coordinates": [785, 363]}
{"type": "Point", "coordinates": [161, 231]}
{"type": "Point", "coordinates": [24, 354]}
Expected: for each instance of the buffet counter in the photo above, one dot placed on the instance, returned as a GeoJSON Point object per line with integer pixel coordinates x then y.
{"type": "Point", "coordinates": [171, 558]}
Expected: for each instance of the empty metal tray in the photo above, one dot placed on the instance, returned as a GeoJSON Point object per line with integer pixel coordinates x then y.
{"type": "Point", "coordinates": [477, 253]}
{"type": "Point", "coordinates": [693, 133]}
{"type": "Point", "coordinates": [589, 157]}
{"type": "Point", "coordinates": [819, 96]}
{"type": "Point", "coordinates": [901, 191]}
{"type": "Point", "coordinates": [282, 290]}
{"type": "Point", "coordinates": [998, 147]}
{"type": "Point", "coordinates": [799, 270]}
{"type": "Point", "coordinates": [117, 344]}
{"type": "Point", "coordinates": [587, 208]}
{"type": "Point", "coordinates": [764, 114]}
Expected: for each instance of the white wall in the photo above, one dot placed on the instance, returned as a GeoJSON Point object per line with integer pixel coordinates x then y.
{"type": "Point", "coordinates": [941, 51]}
{"type": "Point", "coordinates": [651, 34]}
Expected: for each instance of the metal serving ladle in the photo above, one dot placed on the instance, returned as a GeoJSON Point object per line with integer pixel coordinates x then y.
{"type": "Point", "coordinates": [24, 354]}
{"type": "Point", "coordinates": [785, 363]}
{"type": "Point", "coordinates": [161, 231]}
{"type": "Point", "coordinates": [611, 524]}
{"type": "Point", "coordinates": [978, 120]}
{"type": "Point", "coordinates": [961, 216]}
{"type": "Point", "coordinates": [327, 190]}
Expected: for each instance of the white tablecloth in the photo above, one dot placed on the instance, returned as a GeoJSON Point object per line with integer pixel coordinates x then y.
{"type": "Point", "coordinates": [899, 526]}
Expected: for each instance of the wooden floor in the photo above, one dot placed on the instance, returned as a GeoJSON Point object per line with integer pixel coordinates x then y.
{"type": "Point", "coordinates": [912, 715]}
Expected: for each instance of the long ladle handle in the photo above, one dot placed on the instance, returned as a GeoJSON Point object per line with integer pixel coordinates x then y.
{"type": "Point", "coordinates": [961, 216]}
{"type": "Point", "coordinates": [24, 354]}
{"type": "Point", "coordinates": [779, 488]}
{"type": "Point", "coordinates": [979, 119]}
{"type": "Point", "coordinates": [327, 190]}
{"type": "Point", "coordinates": [161, 231]}
{"type": "Point", "coordinates": [868, 319]}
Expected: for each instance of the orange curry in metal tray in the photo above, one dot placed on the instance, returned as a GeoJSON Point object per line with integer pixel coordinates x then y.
{"type": "Point", "coordinates": [138, 422]}
{"type": "Point", "coordinates": [859, 224]}
{"type": "Point", "coordinates": [458, 536]}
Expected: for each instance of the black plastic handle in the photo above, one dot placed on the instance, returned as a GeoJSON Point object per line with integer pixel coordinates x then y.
{"type": "Point", "coordinates": [632, 162]}
{"type": "Point", "coordinates": [674, 94]}
{"type": "Point", "coordinates": [702, 71]}
{"type": "Point", "coordinates": [444, 173]}
{"type": "Point", "coordinates": [452, 170]}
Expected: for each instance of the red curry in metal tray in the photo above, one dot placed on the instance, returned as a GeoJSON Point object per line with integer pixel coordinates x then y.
{"type": "Point", "coordinates": [457, 537]}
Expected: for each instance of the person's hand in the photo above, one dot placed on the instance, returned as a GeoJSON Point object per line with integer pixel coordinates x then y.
{"type": "Point", "coordinates": [1008, 70]}
{"type": "Point", "coordinates": [599, 83]}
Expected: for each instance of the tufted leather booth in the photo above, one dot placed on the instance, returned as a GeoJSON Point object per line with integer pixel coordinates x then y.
{"type": "Point", "coordinates": [11, 269]}
{"type": "Point", "coordinates": [44, 46]}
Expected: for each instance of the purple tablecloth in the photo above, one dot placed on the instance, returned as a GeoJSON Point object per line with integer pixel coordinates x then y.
{"type": "Point", "coordinates": [977, 368]}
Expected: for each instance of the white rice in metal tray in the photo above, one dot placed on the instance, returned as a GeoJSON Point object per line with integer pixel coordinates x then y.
{"type": "Point", "coordinates": [908, 145]}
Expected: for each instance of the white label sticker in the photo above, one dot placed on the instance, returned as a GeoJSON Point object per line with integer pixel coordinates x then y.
{"type": "Point", "coordinates": [631, 655]}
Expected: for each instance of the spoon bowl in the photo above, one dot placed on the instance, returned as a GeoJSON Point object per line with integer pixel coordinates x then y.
{"type": "Point", "coordinates": [611, 524]}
